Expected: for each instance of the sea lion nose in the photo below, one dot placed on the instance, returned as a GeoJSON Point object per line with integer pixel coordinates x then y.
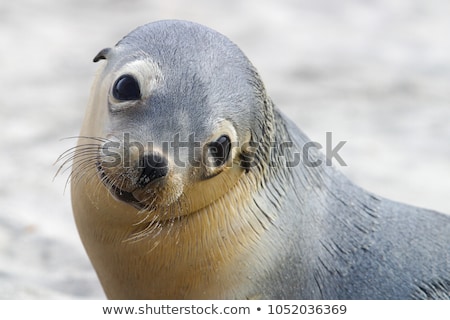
{"type": "Point", "coordinates": [154, 166]}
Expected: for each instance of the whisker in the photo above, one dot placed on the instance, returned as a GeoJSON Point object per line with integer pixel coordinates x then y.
{"type": "Point", "coordinates": [69, 152]}
{"type": "Point", "coordinates": [93, 156]}
{"type": "Point", "coordinates": [78, 147]}
{"type": "Point", "coordinates": [74, 152]}
{"type": "Point", "coordinates": [81, 166]}
{"type": "Point", "coordinates": [79, 158]}
{"type": "Point", "coordinates": [100, 139]}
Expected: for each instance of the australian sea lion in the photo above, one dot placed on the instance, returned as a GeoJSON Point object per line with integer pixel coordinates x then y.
{"type": "Point", "coordinates": [186, 185]}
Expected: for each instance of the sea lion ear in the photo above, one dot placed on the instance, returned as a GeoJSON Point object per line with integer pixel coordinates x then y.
{"type": "Point", "coordinates": [102, 55]}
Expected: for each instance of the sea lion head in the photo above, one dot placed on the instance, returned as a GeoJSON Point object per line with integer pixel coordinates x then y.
{"type": "Point", "coordinates": [178, 109]}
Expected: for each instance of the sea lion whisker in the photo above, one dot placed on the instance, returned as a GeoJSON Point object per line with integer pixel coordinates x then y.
{"type": "Point", "coordinates": [76, 160]}
{"type": "Point", "coordinates": [66, 159]}
{"type": "Point", "coordinates": [99, 139]}
{"type": "Point", "coordinates": [76, 174]}
{"type": "Point", "coordinates": [74, 149]}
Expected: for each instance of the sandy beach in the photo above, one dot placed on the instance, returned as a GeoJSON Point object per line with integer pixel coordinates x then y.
{"type": "Point", "coordinates": [374, 73]}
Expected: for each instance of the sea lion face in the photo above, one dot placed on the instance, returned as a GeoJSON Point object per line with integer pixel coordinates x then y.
{"type": "Point", "coordinates": [179, 105]}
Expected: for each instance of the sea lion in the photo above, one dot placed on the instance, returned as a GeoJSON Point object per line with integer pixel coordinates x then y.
{"type": "Point", "coordinates": [185, 185]}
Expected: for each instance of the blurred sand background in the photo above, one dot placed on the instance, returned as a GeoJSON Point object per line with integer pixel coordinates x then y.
{"type": "Point", "coordinates": [376, 73]}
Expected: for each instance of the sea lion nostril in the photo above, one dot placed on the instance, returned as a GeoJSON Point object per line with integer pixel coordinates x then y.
{"type": "Point", "coordinates": [155, 166]}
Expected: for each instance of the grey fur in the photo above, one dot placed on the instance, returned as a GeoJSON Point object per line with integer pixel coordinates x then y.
{"type": "Point", "coordinates": [333, 239]}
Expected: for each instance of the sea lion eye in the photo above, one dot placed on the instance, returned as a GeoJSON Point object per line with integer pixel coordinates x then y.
{"type": "Point", "coordinates": [126, 88]}
{"type": "Point", "coordinates": [219, 150]}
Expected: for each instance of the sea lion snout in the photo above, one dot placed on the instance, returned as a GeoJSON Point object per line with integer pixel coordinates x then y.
{"type": "Point", "coordinates": [132, 173]}
{"type": "Point", "coordinates": [155, 166]}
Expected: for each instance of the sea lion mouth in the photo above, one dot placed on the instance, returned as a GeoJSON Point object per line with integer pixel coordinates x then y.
{"type": "Point", "coordinates": [118, 193]}
{"type": "Point", "coordinates": [125, 196]}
